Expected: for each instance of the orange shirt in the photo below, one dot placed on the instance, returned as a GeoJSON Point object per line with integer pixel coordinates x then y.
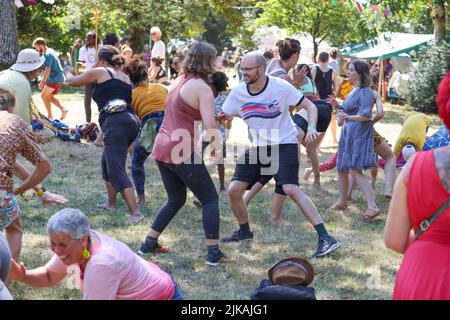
{"type": "Point", "coordinates": [148, 98]}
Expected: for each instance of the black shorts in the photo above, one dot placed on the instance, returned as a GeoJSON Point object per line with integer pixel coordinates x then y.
{"type": "Point", "coordinates": [263, 163]}
{"type": "Point", "coordinates": [323, 117]}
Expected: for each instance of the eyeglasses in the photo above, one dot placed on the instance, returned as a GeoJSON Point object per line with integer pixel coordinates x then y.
{"type": "Point", "coordinates": [251, 68]}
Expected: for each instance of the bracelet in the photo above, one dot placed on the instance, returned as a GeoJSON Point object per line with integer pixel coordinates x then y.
{"type": "Point", "coordinates": [311, 126]}
{"type": "Point", "coordinates": [40, 192]}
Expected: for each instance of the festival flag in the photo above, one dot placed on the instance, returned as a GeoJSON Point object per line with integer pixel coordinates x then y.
{"type": "Point", "coordinates": [387, 12]}
{"type": "Point", "coordinates": [358, 5]}
{"type": "Point", "coordinates": [18, 3]}
{"type": "Point", "coordinates": [374, 7]}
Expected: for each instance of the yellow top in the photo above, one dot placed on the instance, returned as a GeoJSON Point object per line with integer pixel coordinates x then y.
{"type": "Point", "coordinates": [149, 98]}
{"type": "Point", "coordinates": [414, 131]}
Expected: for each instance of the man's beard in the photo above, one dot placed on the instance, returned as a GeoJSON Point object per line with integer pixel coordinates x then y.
{"type": "Point", "coordinates": [254, 80]}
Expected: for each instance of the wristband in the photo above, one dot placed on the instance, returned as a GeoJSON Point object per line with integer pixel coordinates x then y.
{"type": "Point", "coordinates": [40, 192]}
{"type": "Point", "coordinates": [311, 126]}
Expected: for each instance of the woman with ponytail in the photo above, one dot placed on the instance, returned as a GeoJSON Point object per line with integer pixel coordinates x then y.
{"type": "Point", "coordinates": [419, 210]}
{"type": "Point", "coordinates": [120, 126]}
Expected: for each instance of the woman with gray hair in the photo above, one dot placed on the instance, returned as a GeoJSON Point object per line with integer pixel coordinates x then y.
{"type": "Point", "coordinates": [105, 268]}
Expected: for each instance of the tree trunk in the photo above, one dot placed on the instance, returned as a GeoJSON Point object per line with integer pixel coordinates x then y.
{"type": "Point", "coordinates": [316, 50]}
{"type": "Point", "coordinates": [8, 34]}
{"type": "Point", "coordinates": [138, 38]}
{"type": "Point", "coordinates": [438, 16]}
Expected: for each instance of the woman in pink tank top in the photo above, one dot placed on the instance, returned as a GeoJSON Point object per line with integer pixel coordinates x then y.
{"type": "Point", "coordinates": [189, 103]}
{"type": "Point", "coordinates": [421, 189]}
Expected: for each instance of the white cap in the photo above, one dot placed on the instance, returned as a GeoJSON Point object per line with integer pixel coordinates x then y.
{"type": "Point", "coordinates": [28, 60]}
{"type": "Point", "coordinates": [407, 151]}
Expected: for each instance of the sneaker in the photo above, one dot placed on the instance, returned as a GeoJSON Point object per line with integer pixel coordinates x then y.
{"type": "Point", "coordinates": [238, 235]}
{"type": "Point", "coordinates": [217, 260]}
{"type": "Point", "coordinates": [158, 249]}
{"type": "Point", "coordinates": [326, 245]}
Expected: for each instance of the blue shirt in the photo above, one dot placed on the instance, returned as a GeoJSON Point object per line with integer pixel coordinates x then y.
{"type": "Point", "coordinates": [56, 72]}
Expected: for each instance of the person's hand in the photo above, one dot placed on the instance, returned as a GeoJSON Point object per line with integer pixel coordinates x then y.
{"type": "Point", "coordinates": [17, 271]}
{"type": "Point", "coordinates": [343, 115]}
{"type": "Point", "coordinates": [53, 199]}
{"type": "Point", "coordinates": [331, 100]}
{"type": "Point", "coordinates": [311, 135]}
{"type": "Point", "coordinates": [222, 117]}
{"type": "Point", "coordinates": [299, 76]}
{"type": "Point", "coordinates": [41, 86]}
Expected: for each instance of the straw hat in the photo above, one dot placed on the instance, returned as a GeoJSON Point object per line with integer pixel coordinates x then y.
{"type": "Point", "coordinates": [28, 60]}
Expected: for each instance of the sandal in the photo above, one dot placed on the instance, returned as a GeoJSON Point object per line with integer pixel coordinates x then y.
{"type": "Point", "coordinates": [371, 213]}
{"type": "Point", "coordinates": [135, 219]}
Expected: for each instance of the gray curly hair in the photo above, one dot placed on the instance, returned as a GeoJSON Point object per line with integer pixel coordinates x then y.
{"type": "Point", "coordinates": [69, 221]}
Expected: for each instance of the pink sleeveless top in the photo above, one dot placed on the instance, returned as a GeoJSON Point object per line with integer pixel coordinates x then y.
{"type": "Point", "coordinates": [175, 140]}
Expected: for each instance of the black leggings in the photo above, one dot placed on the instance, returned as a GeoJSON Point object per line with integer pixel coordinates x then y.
{"type": "Point", "coordinates": [176, 177]}
{"type": "Point", "coordinates": [119, 131]}
{"type": "Point", "coordinates": [5, 258]}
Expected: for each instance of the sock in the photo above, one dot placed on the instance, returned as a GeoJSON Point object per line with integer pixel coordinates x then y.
{"type": "Point", "coordinates": [213, 250]}
{"type": "Point", "coordinates": [244, 227]}
{"type": "Point", "coordinates": [151, 242]}
{"type": "Point", "coordinates": [321, 231]}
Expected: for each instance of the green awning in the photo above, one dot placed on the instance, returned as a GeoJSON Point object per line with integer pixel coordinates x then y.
{"type": "Point", "coordinates": [389, 45]}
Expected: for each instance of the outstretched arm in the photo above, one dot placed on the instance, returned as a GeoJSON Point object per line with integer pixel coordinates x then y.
{"type": "Point", "coordinates": [40, 277]}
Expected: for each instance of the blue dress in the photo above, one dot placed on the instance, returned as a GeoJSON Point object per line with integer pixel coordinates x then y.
{"type": "Point", "coordinates": [356, 145]}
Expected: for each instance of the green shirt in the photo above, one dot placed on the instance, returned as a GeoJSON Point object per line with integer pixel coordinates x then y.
{"type": "Point", "coordinates": [56, 71]}
{"type": "Point", "coordinates": [20, 87]}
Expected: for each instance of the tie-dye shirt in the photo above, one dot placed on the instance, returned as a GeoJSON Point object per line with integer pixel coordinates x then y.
{"type": "Point", "coordinates": [266, 113]}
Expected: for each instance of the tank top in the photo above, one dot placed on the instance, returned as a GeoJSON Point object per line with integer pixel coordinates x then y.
{"type": "Point", "coordinates": [324, 82]}
{"type": "Point", "coordinates": [177, 130]}
{"type": "Point", "coordinates": [277, 72]}
{"type": "Point", "coordinates": [111, 89]}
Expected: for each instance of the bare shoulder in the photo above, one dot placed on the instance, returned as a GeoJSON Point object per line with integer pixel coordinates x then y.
{"type": "Point", "coordinates": [442, 161]}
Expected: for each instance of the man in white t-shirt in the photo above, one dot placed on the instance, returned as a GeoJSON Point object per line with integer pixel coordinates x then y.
{"type": "Point", "coordinates": [264, 103]}
{"type": "Point", "coordinates": [87, 59]}
{"type": "Point", "coordinates": [159, 48]}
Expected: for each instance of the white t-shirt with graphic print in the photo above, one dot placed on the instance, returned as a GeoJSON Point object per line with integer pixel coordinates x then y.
{"type": "Point", "coordinates": [267, 112]}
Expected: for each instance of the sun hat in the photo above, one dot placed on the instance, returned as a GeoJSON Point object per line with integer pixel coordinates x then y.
{"type": "Point", "coordinates": [291, 271]}
{"type": "Point", "coordinates": [28, 60]}
{"type": "Point", "coordinates": [407, 151]}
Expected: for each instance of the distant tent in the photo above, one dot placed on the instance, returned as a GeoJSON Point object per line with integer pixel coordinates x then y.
{"type": "Point", "coordinates": [389, 44]}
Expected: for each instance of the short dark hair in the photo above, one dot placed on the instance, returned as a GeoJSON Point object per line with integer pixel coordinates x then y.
{"type": "Point", "coordinates": [39, 41]}
{"type": "Point", "coordinates": [219, 81]}
{"type": "Point", "coordinates": [157, 60]}
{"type": "Point", "coordinates": [7, 99]}
{"type": "Point", "coordinates": [324, 56]}
{"type": "Point", "coordinates": [268, 55]}
{"type": "Point", "coordinates": [111, 38]}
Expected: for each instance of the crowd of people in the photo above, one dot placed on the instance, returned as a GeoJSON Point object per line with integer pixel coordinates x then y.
{"type": "Point", "coordinates": [284, 105]}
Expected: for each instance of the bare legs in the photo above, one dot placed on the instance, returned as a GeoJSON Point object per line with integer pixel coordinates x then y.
{"type": "Point", "coordinates": [130, 199]}
{"type": "Point", "coordinates": [384, 151]}
{"type": "Point", "coordinates": [48, 98]}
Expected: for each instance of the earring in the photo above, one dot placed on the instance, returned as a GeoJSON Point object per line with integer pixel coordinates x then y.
{"type": "Point", "coordinates": [86, 254]}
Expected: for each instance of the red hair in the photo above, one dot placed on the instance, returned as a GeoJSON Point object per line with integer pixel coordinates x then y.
{"type": "Point", "coordinates": [443, 100]}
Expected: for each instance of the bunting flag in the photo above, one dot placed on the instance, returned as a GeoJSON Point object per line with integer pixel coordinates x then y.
{"type": "Point", "coordinates": [358, 6]}
{"type": "Point", "coordinates": [374, 7]}
{"type": "Point", "coordinates": [32, 1]}
{"type": "Point", "coordinates": [387, 12]}
{"type": "Point", "coordinates": [18, 3]}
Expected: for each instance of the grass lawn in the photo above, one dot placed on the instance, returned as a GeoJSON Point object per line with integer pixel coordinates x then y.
{"type": "Point", "coordinates": [362, 269]}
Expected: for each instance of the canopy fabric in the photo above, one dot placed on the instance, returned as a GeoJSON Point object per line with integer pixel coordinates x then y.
{"type": "Point", "coordinates": [389, 45]}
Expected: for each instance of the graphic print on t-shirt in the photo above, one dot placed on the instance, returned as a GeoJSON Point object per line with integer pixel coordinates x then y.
{"type": "Point", "coordinates": [269, 110]}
